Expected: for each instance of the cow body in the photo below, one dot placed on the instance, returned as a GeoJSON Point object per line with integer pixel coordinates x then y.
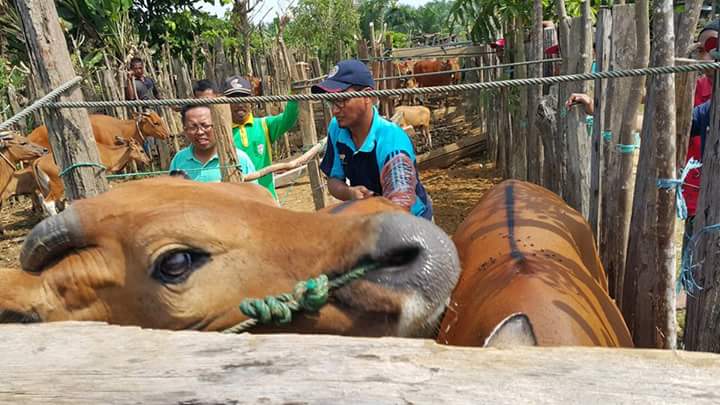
{"type": "Point", "coordinates": [14, 148]}
{"type": "Point", "coordinates": [524, 250]}
{"type": "Point", "coordinates": [417, 117]}
{"type": "Point", "coordinates": [107, 129]}
{"type": "Point", "coordinates": [47, 173]}
{"type": "Point", "coordinates": [431, 66]}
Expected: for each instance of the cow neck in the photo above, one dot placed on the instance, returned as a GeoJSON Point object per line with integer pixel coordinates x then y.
{"type": "Point", "coordinates": [138, 131]}
{"type": "Point", "coordinates": [7, 168]}
{"type": "Point", "coordinates": [115, 158]}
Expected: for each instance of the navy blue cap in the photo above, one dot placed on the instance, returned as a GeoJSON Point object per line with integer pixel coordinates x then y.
{"type": "Point", "coordinates": [237, 86]}
{"type": "Point", "coordinates": [345, 74]}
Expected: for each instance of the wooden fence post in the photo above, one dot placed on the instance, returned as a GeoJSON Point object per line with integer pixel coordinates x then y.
{"type": "Point", "coordinates": [648, 303]}
{"type": "Point", "coordinates": [69, 130]}
{"type": "Point", "coordinates": [624, 45]}
{"type": "Point", "coordinates": [222, 127]}
{"type": "Point", "coordinates": [602, 52]}
{"type": "Point", "coordinates": [535, 153]}
{"type": "Point", "coordinates": [685, 82]}
{"type": "Point", "coordinates": [702, 329]}
{"type": "Point", "coordinates": [518, 145]}
{"type": "Point", "coordinates": [574, 141]}
{"type": "Point", "coordinates": [309, 136]}
{"type": "Point", "coordinates": [327, 114]}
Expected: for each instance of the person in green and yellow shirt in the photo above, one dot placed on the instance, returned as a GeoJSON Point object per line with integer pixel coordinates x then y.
{"type": "Point", "coordinates": [255, 136]}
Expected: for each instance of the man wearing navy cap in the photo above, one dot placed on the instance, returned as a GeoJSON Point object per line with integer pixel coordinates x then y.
{"type": "Point", "coordinates": [255, 136]}
{"type": "Point", "coordinates": [374, 154]}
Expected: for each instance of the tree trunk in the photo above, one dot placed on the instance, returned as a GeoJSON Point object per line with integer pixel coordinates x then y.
{"type": "Point", "coordinates": [518, 145]}
{"type": "Point", "coordinates": [222, 127]}
{"type": "Point", "coordinates": [622, 57]}
{"type": "Point", "coordinates": [69, 130]}
{"type": "Point", "coordinates": [623, 184]}
{"type": "Point", "coordinates": [702, 330]}
{"type": "Point", "coordinates": [685, 82]}
{"type": "Point", "coordinates": [560, 140]}
{"type": "Point", "coordinates": [534, 143]}
{"type": "Point", "coordinates": [602, 49]}
{"type": "Point", "coordinates": [648, 303]}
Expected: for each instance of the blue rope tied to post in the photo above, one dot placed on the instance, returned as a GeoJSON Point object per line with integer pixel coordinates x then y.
{"type": "Point", "coordinates": [563, 112]}
{"type": "Point", "coordinates": [686, 280]}
{"type": "Point", "coordinates": [631, 147]}
{"type": "Point", "coordinates": [680, 203]}
{"type": "Point", "coordinates": [589, 122]}
{"type": "Point", "coordinates": [607, 136]}
{"type": "Point", "coordinates": [80, 164]}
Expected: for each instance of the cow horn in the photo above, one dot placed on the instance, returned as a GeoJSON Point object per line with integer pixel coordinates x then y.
{"type": "Point", "coordinates": [50, 238]}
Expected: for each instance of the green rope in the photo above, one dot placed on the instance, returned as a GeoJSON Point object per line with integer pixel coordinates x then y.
{"type": "Point", "coordinates": [80, 164]}
{"type": "Point", "coordinates": [309, 295]}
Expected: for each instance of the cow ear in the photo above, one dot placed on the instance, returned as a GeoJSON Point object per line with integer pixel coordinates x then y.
{"type": "Point", "coordinates": [515, 330]}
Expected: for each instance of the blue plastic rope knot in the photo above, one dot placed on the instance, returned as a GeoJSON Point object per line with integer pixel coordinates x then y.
{"type": "Point", "coordinates": [631, 147]}
{"type": "Point", "coordinates": [681, 205]}
{"type": "Point", "coordinates": [686, 280]}
{"type": "Point", "coordinates": [563, 112]}
{"type": "Point", "coordinates": [607, 136]}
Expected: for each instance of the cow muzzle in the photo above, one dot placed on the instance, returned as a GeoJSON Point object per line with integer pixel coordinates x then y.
{"type": "Point", "coordinates": [415, 260]}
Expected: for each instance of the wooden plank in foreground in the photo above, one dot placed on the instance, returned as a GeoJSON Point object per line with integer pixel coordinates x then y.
{"type": "Point", "coordinates": [78, 363]}
{"type": "Point", "coordinates": [445, 156]}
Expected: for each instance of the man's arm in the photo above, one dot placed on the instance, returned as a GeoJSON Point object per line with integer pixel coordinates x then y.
{"type": "Point", "coordinates": [399, 179]}
{"type": "Point", "coordinates": [281, 123]}
{"type": "Point", "coordinates": [130, 89]}
{"type": "Point", "coordinates": [343, 192]}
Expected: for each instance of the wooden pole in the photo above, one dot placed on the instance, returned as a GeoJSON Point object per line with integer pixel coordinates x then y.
{"type": "Point", "coordinates": [648, 303]}
{"type": "Point", "coordinates": [388, 104]}
{"type": "Point", "coordinates": [222, 127]}
{"type": "Point", "coordinates": [518, 144]}
{"type": "Point", "coordinates": [622, 186]}
{"type": "Point", "coordinates": [602, 52]}
{"type": "Point", "coordinates": [69, 130]}
{"type": "Point", "coordinates": [309, 136]}
{"type": "Point", "coordinates": [623, 48]}
{"type": "Point", "coordinates": [685, 82]}
{"type": "Point", "coordinates": [317, 72]}
{"type": "Point", "coordinates": [702, 331]}
{"type": "Point", "coordinates": [535, 153]}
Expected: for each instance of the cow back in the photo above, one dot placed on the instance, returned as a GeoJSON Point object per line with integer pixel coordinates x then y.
{"type": "Point", "coordinates": [524, 250]}
{"type": "Point", "coordinates": [431, 66]}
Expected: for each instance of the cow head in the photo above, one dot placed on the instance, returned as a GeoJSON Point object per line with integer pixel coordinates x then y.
{"type": "Point", "coordinates": [16, 148]}
{"type": "Point", "coordinates": [151, 124]}
{"type": "Point", "coordinates": [137, 154]}
{"type": "Point", "coordinates": [176, 254]}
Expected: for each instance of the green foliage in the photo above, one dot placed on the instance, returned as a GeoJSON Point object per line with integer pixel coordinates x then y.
{"type": "Point", "coordinates": [487, 19]}
{"type": "Point", "coordinates": [323, 26]}
{"type": "Point", "coordinates": [432, 17]}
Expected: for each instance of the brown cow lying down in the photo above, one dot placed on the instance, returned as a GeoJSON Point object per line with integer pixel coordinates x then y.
{"type": "Point", "coordinates": [176, 254]}
{"type": "Point", "coordinates": [529, 261]}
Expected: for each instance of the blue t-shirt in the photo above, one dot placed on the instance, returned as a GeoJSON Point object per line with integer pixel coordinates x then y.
{"type": "Point", "coordinates": [701, 123]}
{"type": "Point", "coordinates": [363, 166]}
{"type": "Point", "coordinates": [208, 172]}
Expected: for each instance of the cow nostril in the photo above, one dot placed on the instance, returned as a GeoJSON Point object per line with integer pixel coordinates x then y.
{"type": "Point", "coordinates": [400, 256]}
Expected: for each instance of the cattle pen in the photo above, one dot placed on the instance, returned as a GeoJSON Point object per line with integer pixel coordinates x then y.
{"type": "Point", "coordinates": [505, 116]}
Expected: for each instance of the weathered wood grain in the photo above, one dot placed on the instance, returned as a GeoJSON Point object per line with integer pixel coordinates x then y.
{"type": "Point", "coordinates": [79, 363]}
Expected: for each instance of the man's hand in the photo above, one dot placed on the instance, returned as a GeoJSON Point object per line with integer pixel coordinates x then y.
{"type": "Point", "coordinates": [359, 192]}
{"type": "Point", "coordinates": [581, 98]}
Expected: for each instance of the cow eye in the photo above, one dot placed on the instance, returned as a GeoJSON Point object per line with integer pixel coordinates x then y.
{"type": "Point", "coordinates": [176, 266]}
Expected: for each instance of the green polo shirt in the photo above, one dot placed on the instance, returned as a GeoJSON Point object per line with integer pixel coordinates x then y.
{"type": "Point", "coordinates": [256, 136]}
{"type": "Point", "coordinates": [208, 172]}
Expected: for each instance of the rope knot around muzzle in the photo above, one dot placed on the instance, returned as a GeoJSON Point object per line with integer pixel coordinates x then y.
{"type": "Point", "coordinates": [309, 295]}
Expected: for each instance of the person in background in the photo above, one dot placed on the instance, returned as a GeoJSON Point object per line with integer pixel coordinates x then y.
{"type": "Point", "coordinates": [139, 86]}
{"type": "Point", "coordinates": [205, 88]}
{"type": "Point", "coordinates": [255, 136]}
{"type": "Point", "coordinates": [373, 154]}
{"type": "Point", "coordinates": [706, 43]}
{"type": "Point", "coordinates": [200, 161]}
